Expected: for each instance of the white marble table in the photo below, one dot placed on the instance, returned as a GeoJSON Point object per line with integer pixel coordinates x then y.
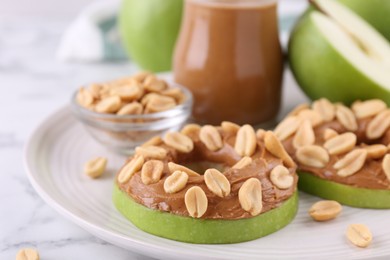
{"type": "Point", "coordinates": [32, 85]}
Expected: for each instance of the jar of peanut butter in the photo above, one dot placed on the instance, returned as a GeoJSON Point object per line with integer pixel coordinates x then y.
{"type": "Point", "coordinates": [228, 54]}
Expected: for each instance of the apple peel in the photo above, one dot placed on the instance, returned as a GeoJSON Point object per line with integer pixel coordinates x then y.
{"type": "Point", "coordinates": [344, 194]}
{"type": "Point", "coordinates": [204, 231]}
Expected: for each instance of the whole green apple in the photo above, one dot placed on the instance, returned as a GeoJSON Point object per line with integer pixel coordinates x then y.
{"type": "Point", "coordinates": [149, 29]}
{"type": "Point", "coordinates": [375, 12]}
{"type": "Point", "coordinates": [336, 54]}
{"type": "Point", "coordinates": [204, 231]}
{"type": "Point", "coordinates": [347, 195]}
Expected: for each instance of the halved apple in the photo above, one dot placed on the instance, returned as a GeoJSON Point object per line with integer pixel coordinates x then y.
{"type": "Point", "coordinates": [336, 54]}
{"type": "Point", "coordinates": [345, 194]}
{"type": "Point", "coordinates": [204, 231]}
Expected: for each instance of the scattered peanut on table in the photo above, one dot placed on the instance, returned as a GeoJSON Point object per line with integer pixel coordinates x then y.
{"type": "Point", "coordinates": [27, 254]}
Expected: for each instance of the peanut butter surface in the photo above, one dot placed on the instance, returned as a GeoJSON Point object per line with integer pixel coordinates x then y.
{"type": "Point", "coordinates": [153, 196]}
{"type": "Point", "coordinates": [370, 176]}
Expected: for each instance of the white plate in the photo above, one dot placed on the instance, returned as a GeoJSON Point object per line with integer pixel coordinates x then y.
{"type": "Point", "coordinates": [54, 159]}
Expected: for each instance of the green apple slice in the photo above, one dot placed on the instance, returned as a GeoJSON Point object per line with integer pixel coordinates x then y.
{"type": "Point", "coordinates": [345, 194]}
{"type": "Point", "coordinates": [339, 56]}
{"type": "Point", "coordinates": [204, 231]}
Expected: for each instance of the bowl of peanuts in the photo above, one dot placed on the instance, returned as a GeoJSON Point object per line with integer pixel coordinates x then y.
{"type": "Point", "coordinates": [121, 114]}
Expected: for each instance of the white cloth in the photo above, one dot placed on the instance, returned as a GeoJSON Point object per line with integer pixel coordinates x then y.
{"type": "Point", "coordinates": [84, 39]}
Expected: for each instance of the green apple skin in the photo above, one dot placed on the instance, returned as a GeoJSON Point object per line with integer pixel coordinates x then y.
{"type": "Point", "coordinates": [321, 71]}
{"type": "Point", "coordinates": [201, 231]}
{"type": "Point", "coordinates": [149, 29]}
{"type": "Point", "coordinates": [344, 194]}
{"type": "Point", "coordinates": [375, 12]}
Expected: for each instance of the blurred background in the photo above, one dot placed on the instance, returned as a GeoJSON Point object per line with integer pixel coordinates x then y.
{"type": "Point", "coordinates": [39, 9]}
{"type": "Point", "coordinates": [50, 48]}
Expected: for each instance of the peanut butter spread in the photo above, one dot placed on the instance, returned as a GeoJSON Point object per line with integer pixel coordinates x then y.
{"type": "Point", "coordinates": [155, 197]}
{"type": "Point", "coordinates": [371, 174]}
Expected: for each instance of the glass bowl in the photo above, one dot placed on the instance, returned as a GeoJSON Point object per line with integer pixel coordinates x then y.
{"type": "Point", "coordinates": [122, 133]}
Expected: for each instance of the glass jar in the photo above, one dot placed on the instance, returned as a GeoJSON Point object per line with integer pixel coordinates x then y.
{"type": "Point", "coordinates": [229, 55]}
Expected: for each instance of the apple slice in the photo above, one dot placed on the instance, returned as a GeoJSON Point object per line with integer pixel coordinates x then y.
{"type": "Point", "coordinates": [204, 231]}
{"type": "Point", "coordinates": [345, 194]}
{"type": "Point", "coordinates": [339, 56]}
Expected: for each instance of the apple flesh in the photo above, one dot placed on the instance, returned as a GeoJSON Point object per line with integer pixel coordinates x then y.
{"type": "Point", "coordinates": [375, 12]}
{"type": "Point", "coordinates": [204, 231]}
{"type": "Point", "coordinates": [149, 29]}
{"type": "Point", "coordinates": [344, 194]}
{"type": "Point", "coordinates": [339, 56]}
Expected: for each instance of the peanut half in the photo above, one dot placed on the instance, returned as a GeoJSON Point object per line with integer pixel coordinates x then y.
{"type": "Point", "coordinates": [27, 254]}
{"type": "Point", "coordinates": [175, 93]}
{"type": "Point", "coordinates": [325, 108]}
{"type": "Point", "coordinates": [179, 141]}
{"type": "Point", "coordinates": [159, 103]}
{"type": "Point", "coordinates": [281, 177]}
{"type": "Point", "coordinates": [217, 183]}
{"type": "Point", "coordinates": [95, 90]}
{"type": "Point", "coordinates": [313, 156]}
{"type": "Point", "coordinates": [128, 92]}
{"type": "Point", "coordinates": [196, 202]}
{"type": "Point", "coordinates": [229, 127]}
{"type": "Point", "coordinates": [133, 108]}
{"type": "Point", "coordinates": [346, 117]}
{"type": "Point", "coordinates": [141, 76]}
{"type": "Point", "coordinates": [260, 133]}
{"type": "Point", "coordinates": [359, 235]}
{"type": "Point", "coordinates": [377, 127]}
{"type": "Point", "coordinates": [250, 196]}
{"type": "Point", "coordinates": [191, 130]}
{"type": "Point", "coordinates": [130, 169]}
{"type": "Point", "coordinates": [287, 127]}
{"type": "Point", "coordinates": [245, 161]}
{"type": "Point", "coordinates": [341, 143]}
{"type": "Point", "coordinates": [211, 138]}
{"type": "Point", "coordinates": [305, 135]}
{"type": "Point", "coordinates": [109, 105]}
{"type": "Point", "coordinates": [368, 108]}
{"type": "Point", "coordinates": [246, 142]}
{"type": "Point", "coordinates": [275, 147]}
{"type": "Point", "coordinates": [177, 167]}
{"type": "Point", "coordinates": [351, 163]}
{"type": "Point", "coordinates": [314, 117]}
{"type": "Point", "coordinates": [155, 140]}
{"type": "Point", "coordinates": [329, 133]}
{"type": "Point", "coordinates": [325, 210]}
{"type": "Point", "coordinates": [84, 98]}
{"type": "Point", "coordinates": [152, 171]}
{"type": "Point", "coordinates": [153, 84]}
{"type": "Point", "coordinates": [175, 182]}
{"type": "Point", "coordinates": [376, 151]}
{"type": "Point", "coordinates": [151, 152]}
{"type": "Point", "coordinates": [298, 109]}
{"type": "Point", "coordinates": [95, 168]}
{"type": "Point", "coordinates": [386, 166]}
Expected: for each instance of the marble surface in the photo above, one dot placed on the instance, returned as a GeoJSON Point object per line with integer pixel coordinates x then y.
{"type": "Point", "coordinates": [33, 84]}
